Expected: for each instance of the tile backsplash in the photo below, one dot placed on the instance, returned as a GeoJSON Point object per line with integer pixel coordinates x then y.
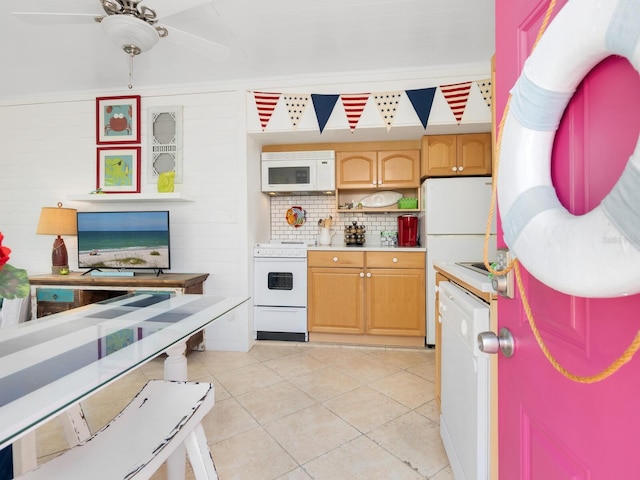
{"type": "Point", "coordinates": [318, 207]}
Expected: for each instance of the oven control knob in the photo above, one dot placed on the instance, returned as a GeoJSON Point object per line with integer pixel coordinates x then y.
{"type": "Point", "coordinates": [489, 342]}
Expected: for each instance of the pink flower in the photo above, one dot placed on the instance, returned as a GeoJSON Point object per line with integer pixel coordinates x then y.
{"type": "Point", "coordinates": [4, 253]}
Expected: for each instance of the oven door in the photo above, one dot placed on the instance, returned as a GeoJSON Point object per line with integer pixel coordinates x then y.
{"type": "Point", "coordinates": [280, 282]}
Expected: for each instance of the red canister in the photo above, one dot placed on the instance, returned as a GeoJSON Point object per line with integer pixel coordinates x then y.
{"type": "Point", "coordinates": [407, 231]}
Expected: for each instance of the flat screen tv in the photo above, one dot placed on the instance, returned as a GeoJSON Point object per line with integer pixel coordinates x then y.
{"type": "Point", "coordinates": [124, 240]}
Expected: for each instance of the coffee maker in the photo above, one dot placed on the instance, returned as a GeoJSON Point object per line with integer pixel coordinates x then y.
{"type": "Point", "coordinates": [407, 230]}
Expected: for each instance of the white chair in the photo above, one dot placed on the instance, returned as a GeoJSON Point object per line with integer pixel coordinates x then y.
{"type": "Point", "coordinates": [15, 310]}
{"type": "Point", "coordinates": [163, 416]}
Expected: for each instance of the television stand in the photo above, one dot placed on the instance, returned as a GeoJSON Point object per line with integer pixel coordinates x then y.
{"type": "Point", "coordinates": [57, 293]}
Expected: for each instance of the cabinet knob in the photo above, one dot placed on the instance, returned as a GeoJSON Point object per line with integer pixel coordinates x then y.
{"type": "Point", "coordinates": [368, 274]}
{"type": "Point", "coordinates": [361, 274]}
{"type": "Point", "coordinates": [460, 169]}
{"type": "Point", "coordinates": [373, 183]}
{"type": "Point", "coordinates": [454, 169]}
{"type": "Point", "coordinates": [335, 259]}
{"type": "Point", "coordinates": [395, 260]}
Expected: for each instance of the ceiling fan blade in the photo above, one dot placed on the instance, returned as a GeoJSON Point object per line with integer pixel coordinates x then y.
{"type": "Point", "coordinates": [166, 8]}
{"type": "Point", "coordinates": [50, 18]}
{"type": "Point", "coordinates": [203, 47]}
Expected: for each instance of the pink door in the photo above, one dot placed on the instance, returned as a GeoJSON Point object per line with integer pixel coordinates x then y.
{"type": "Point", "coordinates": [552, 428]}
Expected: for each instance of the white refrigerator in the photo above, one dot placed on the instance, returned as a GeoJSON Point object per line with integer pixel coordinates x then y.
{"type": "Point", "coordinates": [452, 228]}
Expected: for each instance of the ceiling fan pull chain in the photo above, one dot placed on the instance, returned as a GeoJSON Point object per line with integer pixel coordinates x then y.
{"type": "Point", "coordinates": [131, 55]}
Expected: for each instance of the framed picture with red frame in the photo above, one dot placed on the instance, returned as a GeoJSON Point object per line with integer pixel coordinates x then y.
{"type": "Point", "coordinates": [118, 169]}
{"type": "Point", "coordinates": [118, 120]}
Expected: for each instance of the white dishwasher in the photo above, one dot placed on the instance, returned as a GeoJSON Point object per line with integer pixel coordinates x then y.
{"type": "Point", "coordinates": [464, 419]}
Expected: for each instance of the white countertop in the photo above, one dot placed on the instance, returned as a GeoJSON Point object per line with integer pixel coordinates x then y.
{"type": "Point", "coordinates": [471, 278]}
{"type": "Point", "coordinates": [365, 248]}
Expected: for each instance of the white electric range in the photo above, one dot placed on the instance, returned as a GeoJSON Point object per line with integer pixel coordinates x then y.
{"type": "Point", "coordinates": [280, 291]}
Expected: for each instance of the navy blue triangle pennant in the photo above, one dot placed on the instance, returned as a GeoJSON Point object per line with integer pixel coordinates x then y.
{"type": "Point", "coordinates": [323, 105]}
{"type": "Point", "coordinates": [422, 100]}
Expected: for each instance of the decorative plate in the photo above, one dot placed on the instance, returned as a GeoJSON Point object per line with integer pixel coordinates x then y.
{"type": "Point", "coordinates": [381, 199]}
{"type": "Point", "coordinates": [296, 216]}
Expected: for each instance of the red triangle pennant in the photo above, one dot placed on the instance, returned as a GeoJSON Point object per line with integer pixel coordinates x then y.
{"type": "Point", "coordinates": [456, 96]}
{"type": "Point", "coordinates": [266, 103]}
{"type": "Point", "coordinates": [353, 106]}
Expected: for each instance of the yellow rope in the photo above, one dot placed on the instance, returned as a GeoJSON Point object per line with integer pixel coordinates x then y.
{"type": "Point", "coordinates": [631, 350]}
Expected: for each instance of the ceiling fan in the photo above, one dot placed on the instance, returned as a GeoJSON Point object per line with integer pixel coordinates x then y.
{"type": "Point", "coordinates": [134, 27]}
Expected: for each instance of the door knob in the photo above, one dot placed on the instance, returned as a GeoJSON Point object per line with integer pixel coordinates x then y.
{"type": "Point", "coordinates": [489, 342]}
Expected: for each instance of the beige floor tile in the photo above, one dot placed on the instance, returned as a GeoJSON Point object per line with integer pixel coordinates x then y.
{"type": "Point", "coordinates": [297, 474]}
{"type": "Point", "coordinates": [311, 432]}
{"type": "Point", "coordinates": [293, 365]}
{"type": "Point", "coordinates": [360, 459]}
{"type": "Point", "coordinates": [226, 419]}
{"type": "Point", "coordinates": [368, 369]}
{"type": "Point", "coordinates": [444, 474]}
{"type": "Point", "coordinates": [406, 388]}
{"type": "Point", "coordinates": [415, 440]}
{"type": "Point", "coordinates": [339, 356]}
{"type": "Point", "coordinates": [275, 401]}
{"type": "Point", "coordinates": [268, 351]}
{"type": "Point", "coordinates": [426, 369]}
{"type": "Point", "coordinates": [252, 455]}
{"type": "Point", "coordinates": [402, 358]}
{"type": "Point", "coordinates": [247, 379]}
{"type": "Point", "coordinates": [220, 362]}
{"type": "Point", "coordinates": [365, 408]}
{"type": "Point", "coordinates": [326, 383]}
{"type": "Point", "coordinates": [430, 410]}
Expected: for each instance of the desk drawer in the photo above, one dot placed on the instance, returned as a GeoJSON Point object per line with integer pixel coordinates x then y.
{"type": "Point", "coordinates": [62, 295]}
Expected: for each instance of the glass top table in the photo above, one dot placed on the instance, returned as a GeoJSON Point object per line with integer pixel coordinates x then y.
{"type": "Point", "coordinates": [50, 364]}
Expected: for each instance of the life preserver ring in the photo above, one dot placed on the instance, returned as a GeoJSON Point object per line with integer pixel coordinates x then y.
{"type": "Point", "coordinates": [592, 255]}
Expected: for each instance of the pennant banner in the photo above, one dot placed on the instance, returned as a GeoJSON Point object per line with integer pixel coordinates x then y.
{"type": "Point", "coordinates": [485, 90]}
{"type": "Point", "coordinates": [266, 103]}
{"type": "Point", "coordinates": [353, 107]}
{"type": "Point", "coordinates": [422, 100]}
{"type": "Point", "coordinates": [387, 105]}
{"type": "Point", "coordinates": [456, 96]}
{"type": "Point", "coordinates": [296, 105]}
{"type": "Point", "coordinates": [323, 105]}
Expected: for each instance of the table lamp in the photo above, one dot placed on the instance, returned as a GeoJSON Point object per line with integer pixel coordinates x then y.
{"type": "Point", "coordinates": [58, 221]}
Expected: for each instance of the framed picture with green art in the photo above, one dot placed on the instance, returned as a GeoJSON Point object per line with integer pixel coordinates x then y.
{"type": "Point", "coordinates": [118, 169]}
{"type": "Point", "coordinates": [118, 120]}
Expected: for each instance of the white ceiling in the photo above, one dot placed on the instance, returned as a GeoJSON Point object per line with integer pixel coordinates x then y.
{"type": "Point", "coordinates": [266, 39]}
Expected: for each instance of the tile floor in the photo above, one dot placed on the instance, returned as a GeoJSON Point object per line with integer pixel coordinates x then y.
{"type": "Point", "coordinates": [293, 411]}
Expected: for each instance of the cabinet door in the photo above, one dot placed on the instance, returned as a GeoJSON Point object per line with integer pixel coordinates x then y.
{"type": "Point", "coordinates": [474, 154]}
{"type": "Point", "coordinates": [399, 169]}
{"type": "Point", "coordinates": [439, 155]}
{"type": "Point", "coordinates": [356, 170]}
{"type": "Point", "coordinates": [336, 300]}
{"type": "Point", "coordinates": [396, 302]}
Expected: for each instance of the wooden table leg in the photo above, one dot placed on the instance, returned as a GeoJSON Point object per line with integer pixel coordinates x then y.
{"type": "Point", "coordinates": [175, 368]}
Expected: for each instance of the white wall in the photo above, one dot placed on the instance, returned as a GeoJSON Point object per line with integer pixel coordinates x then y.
{"type": "Point", "coordinates": [49, 152]}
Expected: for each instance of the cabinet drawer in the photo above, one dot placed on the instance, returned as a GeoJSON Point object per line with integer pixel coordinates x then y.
{"type": "Point", "coordinates": [335, 259]}
{"type": "Point", "coordinates": [395, 260]}
{"type": "Point", "coordinates": [63, 295]}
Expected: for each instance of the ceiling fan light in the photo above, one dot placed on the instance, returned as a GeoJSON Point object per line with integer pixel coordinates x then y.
{"type": "Point", "coordinates": [126, 31]}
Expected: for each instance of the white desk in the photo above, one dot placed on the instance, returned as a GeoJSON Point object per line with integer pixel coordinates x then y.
{"type": "Point", "coordinates": [50, 364]}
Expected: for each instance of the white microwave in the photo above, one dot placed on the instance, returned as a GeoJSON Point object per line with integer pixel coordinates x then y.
{"type": "Point", "coordinates": [299, 172]}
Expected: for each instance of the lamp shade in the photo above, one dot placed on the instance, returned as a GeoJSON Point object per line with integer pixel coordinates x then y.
{"type": "Point", "coordinates": [57, 221]}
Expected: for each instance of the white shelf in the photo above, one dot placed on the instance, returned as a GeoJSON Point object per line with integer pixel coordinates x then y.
{"type": "Point", "coordinates": [130, 197]}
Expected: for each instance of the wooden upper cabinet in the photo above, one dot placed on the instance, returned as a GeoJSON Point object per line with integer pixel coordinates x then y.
{"type": "Point", "coordinates": [452, 155]}
{"type": "Point", "coordinates": [399, 169]}
{"type": "Point", "coordinates": [356, 170]}
{"type": "Point", "coordinates": [382, 169]}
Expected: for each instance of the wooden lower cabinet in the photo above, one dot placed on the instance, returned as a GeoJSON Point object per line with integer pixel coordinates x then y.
{"type": "Point", "coordinates": [367, 297]}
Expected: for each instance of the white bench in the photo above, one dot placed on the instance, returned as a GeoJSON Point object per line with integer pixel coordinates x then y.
{"type": "Point", "coordinates": [163, 416]}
